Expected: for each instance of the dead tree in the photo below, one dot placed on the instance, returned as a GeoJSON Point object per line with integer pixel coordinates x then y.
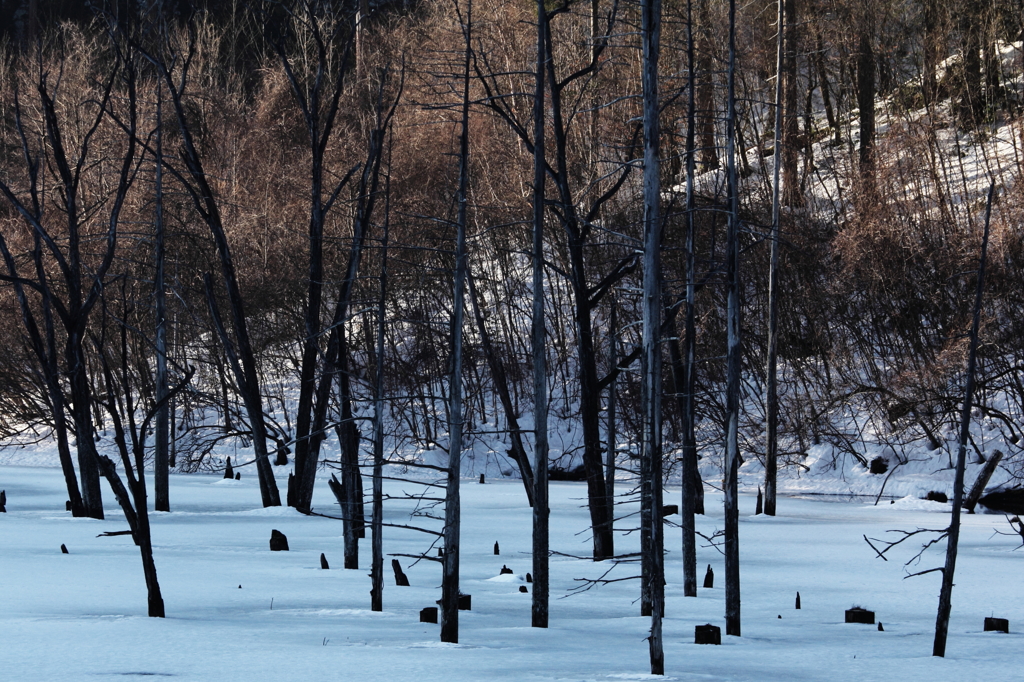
{"type": "Point", "coordinates": [538, 346]}
{"type": "Point", "coordinates": [734, 355]}
{"type": "Point", "coordinates": [771, 446]}
{"type": "Point", "coordinates": [652, 554]}
{"type": "Point", "coordinates": [452, 505]}
{"type": "Point", "coordinates": [953, 533]}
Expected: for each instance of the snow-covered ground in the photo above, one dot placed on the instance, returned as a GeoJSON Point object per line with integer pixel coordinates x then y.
{"type": "Point", "coordinates": [237, 611]}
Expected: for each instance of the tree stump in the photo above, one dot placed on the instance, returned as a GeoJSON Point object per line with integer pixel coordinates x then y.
{"type": "Point", "coordinates": [428, 615]}
{"type": "Point", "coordinates": [707, 634]}
{"type": "Point", "coordinates": [278, 541]}
{"type": "Point", "coordinates": [401, 579]}
{"type": "Point", "coordinates": [505, 570]}
{"type": "Point", "coordinates": [497, 551]}
{"type": "Point", "coordinates": [522, 588]}
{"type": "Point", "coordinates": [529, 578]}
{"type": "Point", "coordinates": [3, 501]}
{"type": "Point", "coordinates": [238, 476]}
{"type": "Point", "coordinates": [880, 628]}
{"type": "Point", "coordinates": [282, 456]}
{"type": "Point", "coordinates": [798, 601]}
{"type": "Point", "coordinates": [465, 602]}
{"type": "Point", "coordinates": [481, 479]}
{"type": "Point", "coordinates": [859, 615]}
{"type": "Point", "coordinates": [709, 579]}
{"type": "Point", "coordinates": [67, 505]}
{"type": "Point", "coordinates": [997, 625]}
{"type": "Point", "coordinates": [229, 471]}
{"type": "Point", "coordinates": [64, 549]}
{"type": "Point", "coordinates": [759, 508]}
{"type": "Point", "coordinates": [323, 562]}
{"type": "Point", "coordinates": [936, 496]}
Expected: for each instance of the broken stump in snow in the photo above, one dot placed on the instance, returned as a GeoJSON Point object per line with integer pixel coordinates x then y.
{"type": "Point", "coordinates": [709, 579]}
{"type": "Point", "coordinates": [465, 602]}
{"type": "Point", "coordinates": [278, 541]}
{"type": "Point", "coordinates": [707, 634]}
{"type": "Point", "coordinates": [859, 615]}
{"type": "Point", "coordinates": [238, 476]}
{"type": "Point", "coordinates": [880, 628]}
{"type": "Point", "coordinates": [497, 551]}
{"type": "Point", "coordinates": [323, 561]}
{"type": "Point", "coordinates": [759, 508]}
{"type": "Point", "coordinates": [798, 601]}
{"type": "Point", "coordinates": [997, 625]}
{"type": "Point", "coordinates": [505, 570]}
{"type": "Point", "coordinates": [481, 479]}
{"type": "Point", "coordinates": [64, 549]}
{"type": "Point", "coordinates": [3, 501]}
{"type": "Point", "coordinates": [936, 496]}
{"type": "Point", "coordinates": [428, 615]}
{"type": "Point", "coordinates": [529, 578]}
{"type": "Point", "coordinates": [401, 579]}
{"type": "Point", "coordinates": [522, 588]}
{"type": "Point", "coordinates": [229, 471]}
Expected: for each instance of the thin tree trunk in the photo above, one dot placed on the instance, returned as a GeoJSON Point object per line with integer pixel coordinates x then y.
{"type": "Point", "coordinates": [161, 437]}
{"type": "Point", "coordinates": [688, 501]}
{"type": "Point", "coordinates": [538, 347]}
{"type": "Point", "coordinates": [953, 533]}
{"type": "Point", "coordinates": [771, 447]}
{"type": "Point", "coordinates": [377, 517]}
{"type": "Point", "coordinates": [732, 541]}
{"type": "Point", "coordinates": [612, 429]}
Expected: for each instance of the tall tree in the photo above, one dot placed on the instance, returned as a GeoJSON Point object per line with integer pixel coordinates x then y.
{"type": "Point", "coordinates": [452, 505]}
{"type": "Point", "coordinates": [538, 345]}
{"type": "Point", "coordinates": [652, 555]}
{"type": "Point", "coordinates": [734, 355]}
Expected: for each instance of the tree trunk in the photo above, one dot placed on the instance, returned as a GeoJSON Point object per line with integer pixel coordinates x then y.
{"type": "Point", "coordinates": [953, 532]}
{"type": "Point", "coordinates": [652, 555]}
{"type": "Point", "coordinates": [538, 345]}
{"type": "Point", "coordinates": [161, 436]}
{"type": "Point", "coordinates": [452, 507]}
{"type": "Point", "coordinates": [771, 392]}
{"type": "Point", "coordinates": [732, 541]}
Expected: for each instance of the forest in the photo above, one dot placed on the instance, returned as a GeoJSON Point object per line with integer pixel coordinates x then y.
{"type": "Point", "coordinates": [355, 237]}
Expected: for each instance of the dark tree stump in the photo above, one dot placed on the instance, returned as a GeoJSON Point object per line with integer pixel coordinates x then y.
{"type": "Point", "coordinates": [238, 476]}
{"type": "Point", "coordinates": [323, 562]}
{"type": "Point", "coordinates": [497, 551]}
{"type": "Point", "coordinates": [428, 615]}
{"type": "Point", "coordinates": [465, 602]}
{"type": "Point", "coordinates": [229, 471]}
{"type": "Point", "coordinates": [505, 570]}
{"type": "Point", "coordinates": [282, 456]}
{"type": "Point", "coordinates": [936, 496]}
{"type": "Point", "coordinates": [669, 510]}
{"type": "Point", "coordinates": [707, 634]}
{"type": "Point", "coordinates": [401, 579]}
{"type": "Point", "coordinates": [67, 505]}
{"type": "Point", "coordinates": [759, 508]}
{"type": "Point", "coordinates": [878, 465]}
{"type": "Point", "coordinates": [880, 628]}
{"type": "Point", "coordinates": [278, 541]}
{"type": "Point", "coordinates": [64, 549]}
{"type": "Point", "coordinates": [3, 501]}
{"type": "Point", "coordinates": [997, 625]}
{"type": "Point", "coordinates": [859, 615]}
{"type": "Point", "coordinates": [798, 600]}
{"type": "Point", "coordinates": [522, 588]}
{"type": "Point", "coordinates": [709, 579]}
{"type": "Point", "coordinates": [481, 479]}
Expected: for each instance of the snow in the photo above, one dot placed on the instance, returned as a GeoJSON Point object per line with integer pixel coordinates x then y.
{"type": "Point", "coordinates": [237, 611]}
